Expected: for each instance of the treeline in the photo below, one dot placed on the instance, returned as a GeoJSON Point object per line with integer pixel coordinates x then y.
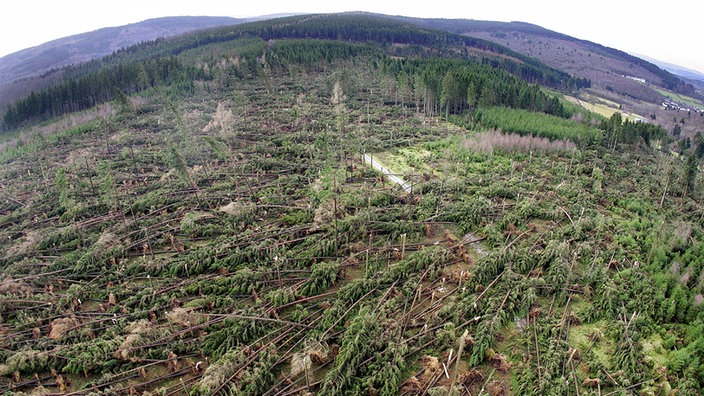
{"type": "Point", "coordinates": [375, 30]}
{"type": "Point", "coordinates": [98, 87]}
{"type": "Point", "coordinates": [548, 126]}
{"type": "Point", "coordinates": [379, 31]}
{"type": "Point", "coordinates": [538, 75]}
{"type": "Point", "coordinates": [314, 52]}
{"type": "Point", "coordinates": [609, 133]}
{"type": "Point", "coordinates": [498, 99]}
{"type": "Point", "coordinates": [618, 130]}
{"type": "Point", "coordinates": [455, 86]}
{"type": "Point", "coordinates": [384, 31]}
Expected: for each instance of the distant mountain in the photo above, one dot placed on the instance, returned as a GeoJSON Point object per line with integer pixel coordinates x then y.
{"type": "Point", "coordinates": [692, 76]}
{"type": "Point", "coordinates": [675, 69]}
{"type": "Point", "coordinates": [43, 59]}
{"type": "Point", "coordinates": [86, 46]}
{"type": "Point", "coordinates": [681, 71]}
{"type": "Point", "coordinates": [610, 70]}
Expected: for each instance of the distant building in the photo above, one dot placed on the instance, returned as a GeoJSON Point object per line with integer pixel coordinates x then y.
{"type": "Point", "coordinates": [640, 80]}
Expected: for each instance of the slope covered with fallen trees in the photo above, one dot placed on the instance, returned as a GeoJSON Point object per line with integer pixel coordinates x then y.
{"type": "Point", "coordinates": [229, 240]}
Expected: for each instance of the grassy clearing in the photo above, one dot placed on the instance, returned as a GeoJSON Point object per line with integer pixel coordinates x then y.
{"type": "Point", "coordinates": [598, 108]}
{"type": "Point", "coordinates": [591, 337]}
{"type": "Point", "coordinates": [603, 107]}
{"type": "Point", "coordinates": [406, 160]}
{"type": "Point", "coordinates": [653, 348]}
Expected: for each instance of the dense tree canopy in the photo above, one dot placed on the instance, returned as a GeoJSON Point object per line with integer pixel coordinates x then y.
{"type": "Point", "coordinates": [99, 87]}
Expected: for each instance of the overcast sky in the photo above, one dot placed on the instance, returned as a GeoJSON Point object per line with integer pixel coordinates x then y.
{"type": "Point", "coordinates": [666, 30]}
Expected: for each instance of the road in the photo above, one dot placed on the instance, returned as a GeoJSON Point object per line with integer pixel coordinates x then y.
{"type": "Point", "coordinates": [404, 184]}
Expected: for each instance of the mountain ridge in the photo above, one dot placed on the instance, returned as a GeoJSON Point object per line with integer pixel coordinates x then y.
{"type": "Point", "coordinates": [527, 38]}
{"type": "Point", "coordinates": [100, 42]}
{"type": "Point", "coordinates": [692, 76]}
{"type": "Point", "coordinates": [31, 68]}
{"type": "Point", "coordinates": [96, 81]}
{"type": "Point", "coordinates": [674, 68]}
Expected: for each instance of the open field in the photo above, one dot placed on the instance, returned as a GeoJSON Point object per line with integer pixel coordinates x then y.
{"type": "Point", "coordinates": [603, 107]}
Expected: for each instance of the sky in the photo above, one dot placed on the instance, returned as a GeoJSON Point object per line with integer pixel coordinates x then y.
{"type": "Point", "coordinates": [663, 32]}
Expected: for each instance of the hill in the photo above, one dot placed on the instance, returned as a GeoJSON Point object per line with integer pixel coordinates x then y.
{"type": "Point", "coordinates": [692, 76]}
{"type": "Point", "coordinates": [603, 65]}
{"type": "Point", "coordinates": [620, 82]}
{"type": "Point", "coordinates": [20, 72]}
{"type": "Point", "coordinates": [676, 69]}
{"type": "Point", "coordinates": [227, 223]}
{"type": "Point", "coordinates": [149, 64]}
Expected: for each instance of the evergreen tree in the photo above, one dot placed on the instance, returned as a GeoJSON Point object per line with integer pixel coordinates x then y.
{"type": "Point", "coordinates": [689, 174]}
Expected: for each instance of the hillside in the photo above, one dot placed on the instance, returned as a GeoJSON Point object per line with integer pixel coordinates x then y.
{"type": "Point", "coordinates": [226, 224]}
{"type": "Point", "coordinates": [692, 76]}
{"type": "Point", "coordinates": [582, 58]}
{"type": "Point", "coordinates": [619, 81]}
{"type": "Point", "coordinates": [31, 68]}
{"type": "Point", "coordinates": [143, 66]}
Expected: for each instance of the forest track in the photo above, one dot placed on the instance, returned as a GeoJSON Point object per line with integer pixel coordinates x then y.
{"type": "Point", "coordinates": [406, 186]}
{"type": "Point", "coordinates": [470, 239]}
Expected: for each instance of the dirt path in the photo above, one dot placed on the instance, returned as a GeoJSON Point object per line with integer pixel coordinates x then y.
{"type": "Point", "coordinates": [404, 184]}
{"type": "Point", "coordinates": [470, 239]}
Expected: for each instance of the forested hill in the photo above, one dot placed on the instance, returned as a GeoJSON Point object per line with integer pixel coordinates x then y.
{"type": "Point", "coordinates": [31, 68]}
{"type": "Point", "coordinates": [604, 66]}
{"type": "Point", "coordinates": [83, 47]}
{"type": "Point", "coordinates": [149, 64]}
{"type": "Point", "coordinates": [395, 37]}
